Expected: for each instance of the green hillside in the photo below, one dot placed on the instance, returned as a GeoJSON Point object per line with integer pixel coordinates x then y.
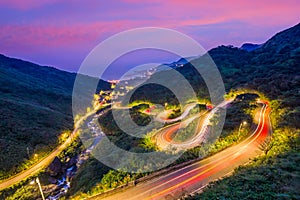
{"type": "Point", "coordinates": [274, 70]}
{"type": "Point", "coordinates": [35, 108]}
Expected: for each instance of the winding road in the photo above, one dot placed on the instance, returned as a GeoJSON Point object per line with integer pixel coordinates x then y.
{"type": "Point", "coordinates": [163, 138]}
{"type": "Point", "coordinates": [43, 163]}
{"type": "Point", "coordinates": [162, 116]}
{"type": "Point", "coordinates": [197, 175]}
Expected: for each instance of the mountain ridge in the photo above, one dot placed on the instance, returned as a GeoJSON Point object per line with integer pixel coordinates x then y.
{"type": "Point", "coordinates": [250, 46]}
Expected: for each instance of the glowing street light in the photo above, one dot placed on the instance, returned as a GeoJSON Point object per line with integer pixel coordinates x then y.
{"type": "Point", "coordinates": [37, 180]}
{"type": "Point", "coordinates": [242, 123]}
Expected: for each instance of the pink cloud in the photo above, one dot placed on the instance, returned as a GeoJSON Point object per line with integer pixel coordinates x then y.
{"type": "Point", "coordinates": [26, 4]}
{"type": "Point", "coordinates": [77, 25]}
{"type": "Point", "coordinates": [195, 12]}
{"type": "Point", "coordinates": [53, 35]}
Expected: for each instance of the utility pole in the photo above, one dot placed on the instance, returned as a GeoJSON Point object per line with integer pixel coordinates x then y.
{"type": "Point", "coordinates": [40, 187]}
{"type": "Point", "coordinates": [37, 180]}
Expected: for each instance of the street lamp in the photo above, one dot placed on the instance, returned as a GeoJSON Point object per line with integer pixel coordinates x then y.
{"type": "Point", "coordinates": [37, 180]}
{"type": "Point", "coordinates": [242, 123]}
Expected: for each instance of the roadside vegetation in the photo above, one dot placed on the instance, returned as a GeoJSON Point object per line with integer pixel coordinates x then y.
{"type": "Point", "coordinates": [185, 133]}
{"type": "Point", "coordinates": [273, 175]}
{"type": "Point", "coordinates": [26, 189]}
{"type": "Point", "coordinates": [236, 114]}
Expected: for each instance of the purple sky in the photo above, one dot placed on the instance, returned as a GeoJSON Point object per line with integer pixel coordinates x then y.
{"type": "Point", "coordinates": [62, 33]}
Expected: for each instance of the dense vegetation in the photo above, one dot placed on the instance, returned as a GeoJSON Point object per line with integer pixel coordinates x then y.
{"type": "Point", "coordinates": [35, 109]}
{"type": "Point", "coordinates": [24, 189]}
{"type": "Point", "coordinates": [238, 112]}
{"type": "Point", "coordinates": [185, 133]}
{"type": "Point", "coordinates": [94, 177]}
{"type": "Point", "coordinates": [274, 175]}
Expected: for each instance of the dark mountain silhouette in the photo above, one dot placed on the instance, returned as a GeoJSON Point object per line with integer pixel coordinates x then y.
{"type": "Point", "coordinates": [250, 46]}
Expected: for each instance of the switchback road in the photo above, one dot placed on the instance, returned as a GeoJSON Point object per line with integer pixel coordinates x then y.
{"type": "Point", "coordinates": [195, 176]}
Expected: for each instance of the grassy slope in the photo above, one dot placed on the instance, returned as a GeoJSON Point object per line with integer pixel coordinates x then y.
{"type": "Point", "coordinates": [35, 107]}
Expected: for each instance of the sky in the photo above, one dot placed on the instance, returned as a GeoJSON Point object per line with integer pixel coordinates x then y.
{"type": "Point", "coordinates": [62, 33]}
